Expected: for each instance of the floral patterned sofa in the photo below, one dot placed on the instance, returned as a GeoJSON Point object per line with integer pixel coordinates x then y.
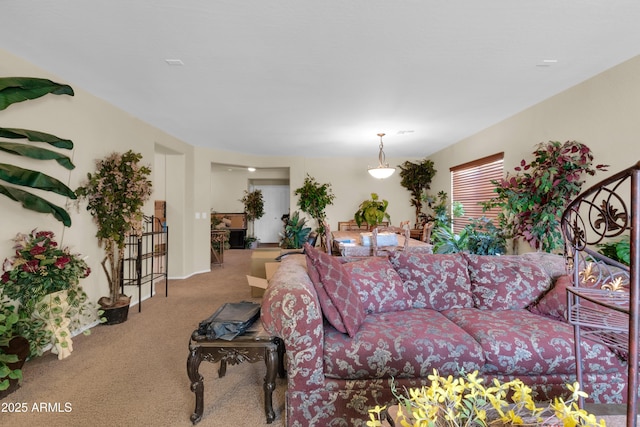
{"type": "Point", "coordinates": [352, 329]}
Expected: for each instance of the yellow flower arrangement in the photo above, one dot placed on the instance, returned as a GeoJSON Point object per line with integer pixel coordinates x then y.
{"type": "Point", "coordinates": [466, 402]}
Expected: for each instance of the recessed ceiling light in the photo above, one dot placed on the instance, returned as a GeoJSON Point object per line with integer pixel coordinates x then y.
{"type": "Point", "coordinates": [251, 169]}
{"type": "Point", "coordinates": [549, 61]}
{"type": "Point", "coordinates": [174, 61]}
{"type": "Point", "coordinates": [404, 132]}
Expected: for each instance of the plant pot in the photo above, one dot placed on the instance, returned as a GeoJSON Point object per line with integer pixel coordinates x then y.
{"type": "Point", "coordinates": [117, 313]}
{"type": "Point", "coordinates": [20, 347]}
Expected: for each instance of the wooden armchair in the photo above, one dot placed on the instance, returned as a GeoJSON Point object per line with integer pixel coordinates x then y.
{"type": "Point", "coordinates": [386, 250]}
{"type": "Point", "coordinates": [426, 232]}
{"type": "Point", "coordinates": [351, 226]}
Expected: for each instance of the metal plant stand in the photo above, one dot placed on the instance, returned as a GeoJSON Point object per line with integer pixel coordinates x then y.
{"type": "Point", "coordinates": [603, 304]}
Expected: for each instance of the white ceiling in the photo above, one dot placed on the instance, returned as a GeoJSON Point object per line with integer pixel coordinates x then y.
{"type": "Point", "coordinates": [322, 77]}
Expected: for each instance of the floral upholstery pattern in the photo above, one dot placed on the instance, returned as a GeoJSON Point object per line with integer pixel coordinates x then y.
{"type": "Point", "coordinates": [402, 344]}
{"type": "Point", "coordinates": [379, 286]}
{"type": "Point", "coordinates": [434, 281]}
{"type": "Point", "coordinates": [333, 379]}
{"type": "Point", "coordinates": [336, 283]}
{"type": "Point", "coordinates": [505, 283]}
{"type": "Point", "coordinates": [329, 310]}
{"type": "Point", "coordinates": [522, 343]}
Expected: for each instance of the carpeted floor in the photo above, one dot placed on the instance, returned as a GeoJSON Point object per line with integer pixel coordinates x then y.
{"type": "Point", "coordinates": [134, 374]}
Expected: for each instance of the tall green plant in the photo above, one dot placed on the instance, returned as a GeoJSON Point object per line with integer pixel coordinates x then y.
{"type": "Point", "coordinates": [416, 177]}
{"type": "Point", "coordinates": [18, 89]}
{"type": "Point", "coordinates": [313, 200]}
{"type": "Point", "coordinates": [533, 199]}
{"type": "Point", "coordinates": [115, 194]}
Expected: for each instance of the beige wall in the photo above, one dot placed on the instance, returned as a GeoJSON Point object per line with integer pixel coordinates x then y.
{"type": "Point", "coordinates": [600, 112]}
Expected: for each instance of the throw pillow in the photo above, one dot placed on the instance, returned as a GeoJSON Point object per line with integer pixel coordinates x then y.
{"type": "Point", "coordinates": [329, 310]}
{"type": "Point", "coordinates": [553, 304]}
{"type": "Point", "coordinates": [337, 284]}
{"type": "Point", "coordinates": [505, 283]}
{"type": "Point", "coordinates": [379, 286]}
{"type": "Point", "coordinates": [435, 281]}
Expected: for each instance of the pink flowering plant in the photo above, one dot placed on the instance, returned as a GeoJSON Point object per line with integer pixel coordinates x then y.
{"type": "Point", "coordinates": [115, 195]}
{"type": "Point", "coordinates": [39, 269]}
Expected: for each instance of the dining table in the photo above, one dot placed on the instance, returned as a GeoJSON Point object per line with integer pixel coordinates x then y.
{"type": "Point", "coordinates": [350, 244]}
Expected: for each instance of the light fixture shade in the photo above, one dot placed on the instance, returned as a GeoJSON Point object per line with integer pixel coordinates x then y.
{"type": "Point", "coordinates": [381, 172]}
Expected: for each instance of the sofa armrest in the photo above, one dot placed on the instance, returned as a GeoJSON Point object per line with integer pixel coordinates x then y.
{"type": "Point", "coordinates": [291, 311]}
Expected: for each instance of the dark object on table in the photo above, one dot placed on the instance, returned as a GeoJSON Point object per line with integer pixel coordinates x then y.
{"type": "Point", "coordinates": [230, 320]}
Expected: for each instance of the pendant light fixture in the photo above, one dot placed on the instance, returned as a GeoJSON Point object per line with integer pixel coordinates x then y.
{"type": "Point", "coordinates": [383, 170]}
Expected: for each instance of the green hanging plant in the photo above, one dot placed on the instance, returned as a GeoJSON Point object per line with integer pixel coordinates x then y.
{"type": "Point", "coordinates": [18, 89]}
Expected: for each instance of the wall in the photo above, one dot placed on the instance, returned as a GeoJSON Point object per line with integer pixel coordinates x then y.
{"type": "Point", "coordinates": [601, 112]}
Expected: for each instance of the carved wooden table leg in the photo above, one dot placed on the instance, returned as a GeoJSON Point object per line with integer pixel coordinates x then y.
{"type": "Point", "coordinates": [250, 347]}
{"type": "Point", "coordinates": [197, 385]}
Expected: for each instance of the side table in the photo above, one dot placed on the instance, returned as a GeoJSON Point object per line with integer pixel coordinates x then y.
{"type": "Point", "coordinates": [252, 346]}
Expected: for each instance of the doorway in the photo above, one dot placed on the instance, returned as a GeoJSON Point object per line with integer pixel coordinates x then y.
{"type": "Point", "coordinates": [276, 203]}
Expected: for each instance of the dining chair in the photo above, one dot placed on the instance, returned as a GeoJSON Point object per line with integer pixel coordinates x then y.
{"type": "Point", "coordinates": [386, 250]}
{"type": "Point", "coordinates": [426, 232]}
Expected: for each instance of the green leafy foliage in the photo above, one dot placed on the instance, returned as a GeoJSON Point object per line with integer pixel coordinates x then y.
{"type": "Point", "coordinates": [372, 211]}
{"type": "Point", "coordinates": [416, 177]}
{"type": "Point", "coordinates": [295, 232]}
{"type": "Point", "coordinates": [618, 251]}
{"type": "Point", "coordinates": [314, 199]}
{"type": "Point", "coordinates": [479, 237]}
{"type": "Point", "coordinates": [18, 89]}
{"type": "Point", "coordinates": [253, 204]}
{"type": "Point", "coordinates": [533, 199]}
{"type": "Point", "coordinates": [8, 330]}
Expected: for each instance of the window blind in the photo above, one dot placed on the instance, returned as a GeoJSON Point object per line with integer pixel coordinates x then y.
{"type": "Point", "coordinates": [471, 184]}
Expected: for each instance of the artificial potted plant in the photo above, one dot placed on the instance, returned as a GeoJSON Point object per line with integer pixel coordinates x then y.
{"type": "Point", "coordinates": [254, 208]}
{"type": "Point", "coordinates": [416, 177]}
{"type": "Point", "coordinates": [295, 232]}
{"type": "Point", "coordinates": [372, 211]}
{"type": "Point", "coordinates": [14, 350]}
{"type": "Point", "coordinates": [533, 199]}
{"type": "Point", "coordinates": [115, 194]}
{"type": "Point", "coordinates": [314, 199]}
{"type": "Point", "coordinates": [43, 279]}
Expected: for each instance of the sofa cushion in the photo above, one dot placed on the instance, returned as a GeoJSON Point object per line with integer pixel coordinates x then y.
{"type": "Point", "coordinates": [379, 286]}
{"type": "Point", "coordinates": [553, 304]}
{"type": "Point", "coordinates": [553, 264]}
{"type": "Point", "coordinates": [335, 288]}
{"type": "Point", "coordinates": [408, 343]}
{"type": "Point", "coordinates": [329, 311]}
{"type": "Point", "coordinates": [517, 342]}
{"type": "Point", "coordinates": [505, 283]}
{"type": "Point", "coordinates": [434, 281]}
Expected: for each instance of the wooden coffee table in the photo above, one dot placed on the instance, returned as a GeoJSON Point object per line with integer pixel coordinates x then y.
{"type": "Point", "coordinates": [253, 346]}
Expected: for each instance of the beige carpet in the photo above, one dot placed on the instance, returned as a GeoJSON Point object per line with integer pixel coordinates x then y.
{"type": "Point", "coordinates": [134, 374]}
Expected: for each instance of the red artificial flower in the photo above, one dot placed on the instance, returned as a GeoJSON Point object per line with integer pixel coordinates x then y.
{"type": "Point", "coordinates": [31, 266]}
{"type": "Point", "coordinates": [37, 250]}
{"type": "Point", "coordinates": [62, 261]}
